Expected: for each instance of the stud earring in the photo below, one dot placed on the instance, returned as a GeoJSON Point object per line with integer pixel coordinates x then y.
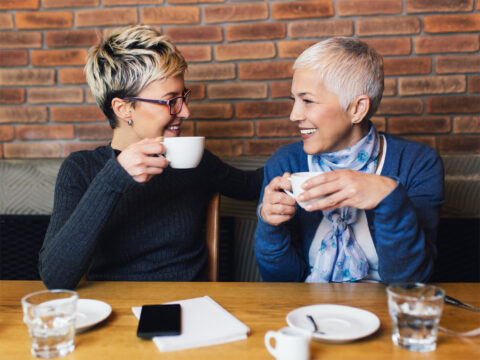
{"type": "Point", "coordinates": [130, 122]}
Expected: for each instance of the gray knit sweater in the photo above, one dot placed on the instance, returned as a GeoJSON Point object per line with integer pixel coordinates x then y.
{"type": "Point", "coordinates": [110, 227]}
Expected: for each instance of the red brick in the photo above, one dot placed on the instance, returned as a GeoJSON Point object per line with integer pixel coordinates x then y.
{"type": "Point", "coordinates": [76, 114]}
{"type": "Point", "coordinates": [392, 106]}
{"type": "Point", "coordinates": [6, 21]}
{"type": "Point", "coordinates": [211, 111]}
{"type": "Point", "coordinates": [293, 48]}
{"type": "Point", "coordinates": [225, 147]}
{"type": "Point", "coordinates": [418, 6]}
{"type": "Point", "coordinates": [71, 76]}
{"type": "Point", "coordinates": [426, 140]}
{"type": "Point", "coordinates": [31, 150]}
{"type": "Point", "coordinates": [380, 123]}
{"type": "Point", "coordinates": [70, 147]}
{"type": "Point", "coordinates": [89, 99]}
{"type": "Point", "coordinates": [94, 131]}
{"type": "Point", "coordinates": [195, 34]}
{"type": "Point", "coordinates": [106, 17]}
{"type": "Point", "coordinates": [13, 57]}
{"type": "Point", "coordinates": [442, 44]}
{"type": "Point", "coordinates": [193, 53]}
{"type": "Point", "coordinates": [265, 147]}
{"type": "Point", "coordinates": [388, 26]}
{"type": "Point", "coordinates": [21, 39]}
{"type": "Point", "coordinates": [407, 66]}
{"type": "Point", "coordinates": [210, 72]}
{"type": "Point", "coordinates": [390, 87]}
{"type": "Point", "coordinates": [72, 38]}
{"type": "Point", "coordinates": [55, 95]}
{"type": "Point", "coordinates": [12, 96]}
{"type": "Point", "coordinates": [459, 144]}
{"type": "Point", "coordinates": [320, 28]}
{"type": "Point", "coordinates": [237, 12]}
{"type": "Point", "coordinates": [390, 46]}
{"type": "Point", "coordinates": [248, 90]}
{"type": "Point", "coordinates": [7, 132]}
{"type": "Point", "coordinates": [43, 132]}
{"type": "Point", "coordinates": [302, 9]}
{"type": "Point", "coordinates": [418, 125]}
{"type": "Point", "coordinates": [280, 89]}
{"type": "Point", "coordinates": [277, 128]}
{"type": "Point", "coordinates": [368, 7]}
{"type": "Point", "coordinates": [70, 3]}
{"type": "Point", "coordinates": [265, 70]}
{"type": "Point", "coordinates": [170, 15]}
{"type": "Point", "coordinates": [263, 31]}
{"type": "Point", "coordinates": [474, 84]}
{"type": "Point", "coordinates": [453, 104]}
{"type": "Point", "coordinates": [59, 57]}
{"type": "Point", "coordinates": [198, 91]}
{"type": "Point", "coordinates": [253, 50]}
{"type": "Point", "coordinates": [18, 4]}
{"type": "Point", "coordinates": [264, 109]}
{"type": "Point", "coordinates": [1, 151]}
{"type": "Point", "coordinates": [27, 77]}
{"type": "Point", "coordinates": [451, 23]}
{"type": "Point", "coordinates": [457, 64]}
{"type": "Point", "coordinates": [466, 124]}
{"type": "Point", "coordinates": [133, 2]}
{"type": "Point", "coordinates": [431, 85]}
{"type": "Point", "coordinates": [44, 20]}
{"type": "Point", "coordinates": [213, 129]}
{"type": "Point", "coordinates": [188, 128]}
{"type": "Point", "coordinates": [194, 1]}
{"type": "Point", "coordinates": [27, 114]}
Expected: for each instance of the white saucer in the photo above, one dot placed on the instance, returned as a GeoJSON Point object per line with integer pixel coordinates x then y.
{"type": "Point", "coordinates": [339, 323]}
{"type": "Point", "coordinates": [91, 312]}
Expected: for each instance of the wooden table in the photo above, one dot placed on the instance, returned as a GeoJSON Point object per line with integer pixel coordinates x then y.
{"type": "Point", "coordinates": [261, 306]}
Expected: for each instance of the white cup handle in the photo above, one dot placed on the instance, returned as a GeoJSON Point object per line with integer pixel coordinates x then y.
{"type": "Point", "coordinates": [289, 192]}
{"type": "Point", "coordinates": [269, 336]}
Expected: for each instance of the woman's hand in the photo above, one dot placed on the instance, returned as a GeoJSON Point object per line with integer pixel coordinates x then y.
{"type": "Point", "coordinates": [138, 162]}
{"type": "Point", "coordinates": [342, 188]}
{"type": "Point", "coordinates": [277, 207]}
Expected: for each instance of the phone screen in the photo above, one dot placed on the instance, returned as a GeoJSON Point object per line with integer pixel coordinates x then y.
{"type": "Point", "coordinates": [159, 320]}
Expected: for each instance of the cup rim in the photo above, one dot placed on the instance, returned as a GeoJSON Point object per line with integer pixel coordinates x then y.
{"type": "Point", "coordinates": [392, 292]}
{"type": "Point", "coordinates": [35, 293]}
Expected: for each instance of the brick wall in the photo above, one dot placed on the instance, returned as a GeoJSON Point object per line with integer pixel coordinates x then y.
{"type": "Point", "coordinates": [240, 54]}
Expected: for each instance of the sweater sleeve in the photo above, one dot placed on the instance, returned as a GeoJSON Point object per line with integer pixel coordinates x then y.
{"type": "Point", "coordinates": [404, 224]}
{"type": "Point", "coordinates": [81, 209]}
{"type": "Point", "coordinates": [278, 251]}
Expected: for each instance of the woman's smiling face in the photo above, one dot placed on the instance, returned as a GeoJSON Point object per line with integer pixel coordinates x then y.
{"type": "Point", "coordinates": [322, 123]}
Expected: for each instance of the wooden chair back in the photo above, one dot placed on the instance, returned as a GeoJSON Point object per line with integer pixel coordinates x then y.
{"type": "Point", "coordinates": [212, 236]}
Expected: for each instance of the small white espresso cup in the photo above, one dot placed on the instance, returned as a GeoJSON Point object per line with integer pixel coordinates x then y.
{"type": "Point", "coordinates": [184, 152]}
{"type": "Point", "coordinates": [290, 344]}
{"type": "Point", "coordinates": [297, 179]}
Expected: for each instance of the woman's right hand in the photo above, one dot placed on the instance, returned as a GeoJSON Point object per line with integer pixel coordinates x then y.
{"type": "Point", "coordinates": [138, 162]}
{"type": "Point", "coordinates": [277, 207]}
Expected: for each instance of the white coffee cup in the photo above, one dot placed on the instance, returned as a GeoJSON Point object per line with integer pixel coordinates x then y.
{"type": "Point", "coordinates": [290, 344]}
{"type": "Point", "coordinates": [184, 152]}
{"type": "Point", "coordinates": [297, 179]}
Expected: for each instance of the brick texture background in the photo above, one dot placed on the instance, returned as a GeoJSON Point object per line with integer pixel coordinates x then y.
{"type": "Point", "coordinates": [240, 54]}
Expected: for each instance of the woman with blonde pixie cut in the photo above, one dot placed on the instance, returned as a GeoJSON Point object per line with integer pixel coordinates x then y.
{"type": "Point", "coordinates": [373, 205]}
{"type": "Point", "coordinates": [120, 212]}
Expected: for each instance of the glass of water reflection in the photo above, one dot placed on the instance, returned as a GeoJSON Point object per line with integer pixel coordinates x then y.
{"type": "Point", "coordinates": [415, 310]}
{"type": "Point", "coordinates": [50, 318]}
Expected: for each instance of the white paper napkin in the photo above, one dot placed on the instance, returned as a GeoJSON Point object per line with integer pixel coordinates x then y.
{"type": "Point", "coordinates": [204, 323]}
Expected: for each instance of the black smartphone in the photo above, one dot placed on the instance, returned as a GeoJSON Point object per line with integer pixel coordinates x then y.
{"type": "Point", "coordinates": [159, 320]}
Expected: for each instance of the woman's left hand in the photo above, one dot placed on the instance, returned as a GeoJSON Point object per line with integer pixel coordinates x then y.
{"type": "Point", "coordinates": [342, 188]}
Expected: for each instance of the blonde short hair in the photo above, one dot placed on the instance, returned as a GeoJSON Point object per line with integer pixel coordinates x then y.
{"type": "Point", "coordinates": [347, 67]}
{"type": "Point", "coordinates": [128, 61]}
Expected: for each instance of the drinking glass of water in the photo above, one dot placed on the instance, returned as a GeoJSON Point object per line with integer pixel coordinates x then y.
{"type": "Point", "coordinates": [415, 310]}
{"type": "Point", "coordinates": [50, 318]}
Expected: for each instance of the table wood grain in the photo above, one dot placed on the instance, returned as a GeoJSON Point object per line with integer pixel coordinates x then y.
{"type": "Point", "coordinates": [261, 306]}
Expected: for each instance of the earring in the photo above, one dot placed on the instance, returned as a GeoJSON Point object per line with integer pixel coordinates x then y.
{"type": "Point", "coordinates": [130, 122]}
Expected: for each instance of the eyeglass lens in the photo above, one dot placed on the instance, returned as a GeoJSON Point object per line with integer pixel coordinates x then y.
{"type": "Point", "coordinates": [176, 104]}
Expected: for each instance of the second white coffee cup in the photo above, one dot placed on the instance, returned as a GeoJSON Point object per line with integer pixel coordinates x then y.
{"type": "Point", "coordinates": [290, 344]}
{"type": "Point", "coordinates": [184, 152]}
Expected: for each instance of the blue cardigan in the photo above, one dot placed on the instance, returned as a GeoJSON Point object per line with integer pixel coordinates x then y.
{"type": "Point", "coordinates": [403, 226]}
